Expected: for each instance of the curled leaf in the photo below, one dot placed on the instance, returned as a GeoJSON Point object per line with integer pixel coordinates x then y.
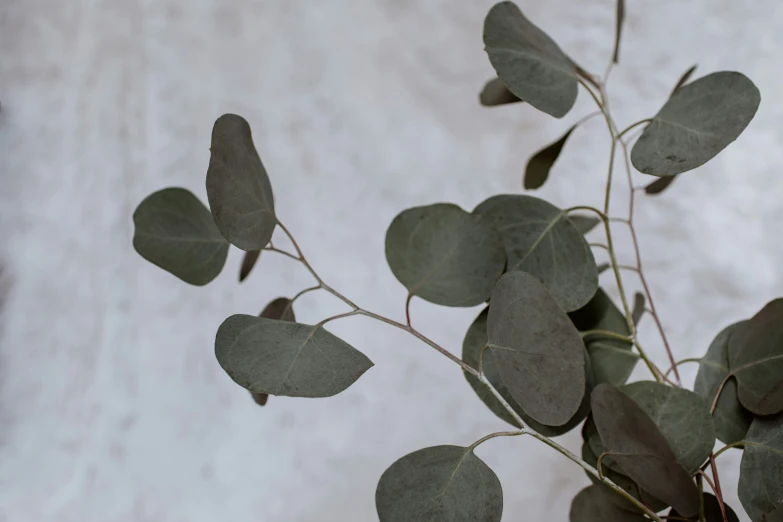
{"type": "Point", "coordinates": [248, 262]}
{"type": "Point", "coordinates": [496, 93]}
{"type": "Point", "coordinates": [539, 165]}
{"type": "Point", "coordinates": [638, 307]}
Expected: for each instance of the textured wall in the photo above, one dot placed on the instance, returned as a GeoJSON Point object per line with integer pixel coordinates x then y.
{"type": "Point", "coordinates": [112, 407]}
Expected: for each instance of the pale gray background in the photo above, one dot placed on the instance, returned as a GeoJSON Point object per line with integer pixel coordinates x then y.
{"type": "Point", "coordinates": [112, 406]}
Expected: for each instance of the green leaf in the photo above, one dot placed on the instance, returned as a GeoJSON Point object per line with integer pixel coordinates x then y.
{"type": "Point", "coordinates": [776, 515]}
{"type": "Point", "coordinates": [496, 93]}
{"type": "Point", "coordinates": [613, 360]}
{"type": "Point", "coordinates": [475, 340]}
{"type": "Point", "coordinates": [640, 449]}
{"type": "Point", "coordinates": [700, 119]}
{"type": "Point", "coordinates": [439, 484]}
{"type": "Point", "coordinates": [761, 471]}
{"type": "Point", "coordinates": [444, 255]}
{"type": "Point", "coordinates": [175, 231]}
{"type": "Point", "coordinates": [284, 358]}
{"type": "Point", "coordinates": [756, 360]}
{"type": "Point", "coordinates": [538, 167]}
{"type": "Point", "coordinates": [731, 419]}
{"type": "Point", "coordinates": [618, 30]}
{"type": "Point", "coordinates": [238, 187]}
{"type": "Point", "coordinates": [539, 353]}
{"type": "Point", "coordinates": [583, 224]}
{"type": "Point", "coordinates": [712, 512]}
{"type": "Point", "coordinates": [540, 239]}
{"type": "Point", "coordinates": [248, 262]}
{"type": "Point", "coordinates": [528, 61]}
{"type": "Point", "coordinates": [280, 309]}
{"type": "Point", "coordinates": [598, 503]}
{"type": "Point", "coordinates": [603, 267]}
{"type": "Point", "coordinates": [638, 307]}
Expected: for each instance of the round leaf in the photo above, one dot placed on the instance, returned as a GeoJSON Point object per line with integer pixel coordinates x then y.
{"type": "Point", "coordinates": [444, 255]}
{"type": "Point", "coordinates": [528, 61]}
{"type": "Point", "coordinates": [288, 359]}
{"type": "Point", "coordinates": [496, 93]}
{"type": "Point", "coordinates": [761, 471]}
{"type": "Point", "coordinates": [175, 231]}
{"type": "Point", "coordinates": [238, 187]}
{"type": "Point", "coordinates": [539, 353]}
{"type": "Point", "coordinates": [731, 419]}
{"type": "Point", "coordinates": [439, 484]}
{"type": "Point", "coordinates": [475, 340]}
{"type": "Point", "coordinates": [598, 503]}
{"type": "Point", "coordinates": [541, 240]}
{"type": "Point", "coordinates": [699, 120]}
{"type": "Point", "coordinates": [712, 511]}
{"type": "Point", "coordinates": [640, 449]}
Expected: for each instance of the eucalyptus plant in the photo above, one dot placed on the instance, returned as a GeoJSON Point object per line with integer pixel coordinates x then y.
{"type": "Point", "coordinates": [550, 350]}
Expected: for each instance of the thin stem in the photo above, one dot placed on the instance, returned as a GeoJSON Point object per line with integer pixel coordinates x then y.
{"type": "Point", "coordinates": [493, 435]}
{"type": "Point", "coordinates": [300, 294]}
{"type": "Point", "coordinates": [606, 333]}
{"type": "Point", "coordinates": [683, 361]}
{"type": "Point", "coordinates": [599, 245]}
{"type": "Point", "coordinates": [338, 316]}
{"type": "Point", "coordinates": [408, 309]}
{"type": "Point", "coordinates": [699, 483]}
{"type": "Point", "coordinates": [501, 400]}
{"type": "Point", "coordinates": [738, 444]}
{"type": "Point", "coordinates": [599, 467]}
{"type": "Point", "coordinates": [718, 492]}
{"type": "Point", "coordinates": [629, 268]}
{"type": "Point", "coordinates": [718, 392]}
{"type": "Point", "coordinates": [481, 359]}
{"type": "Point", "coordinates": [283, 252]}
{"type": "Point", "coordinates": [632, 126]}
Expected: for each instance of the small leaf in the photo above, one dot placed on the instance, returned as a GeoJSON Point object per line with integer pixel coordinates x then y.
{"type": "Point", "coordinates": [613, 360]}
{"type": "Point", "coordinates": [248, 262]}
{"type": "Point", "coordinates": [618, 30]}
{"type": "Point", "coordinates": [638, 307]}
{"type": "Point", "coordinates": [640, 450]}
{"type": "Point", "coordinates": [603, 267]}
{"type": "Point", "coordinates": [496, 93]}
{"type": "Point", "coordinates": [598, 503]}
{"type": "Point", "coordinates": [281, 309]}
{"type": "Point", "coordinates": [475, 340]}
{"type": "Point", "coordinates": [761, 471]}
{"type": "Point", "coordinates": [540, 239]}
{"type": "Point", "coordinates": [288, 359]}
{"type": "Point", "coordinates": [439, 484]}
{"type": "Point", "coordinates": [238, 187]}
{"type": "Point", "coordinates": [756, 360]}
{"type": "Point", "coordinates": [444, 255]}
{"type": "Point", "coordinates": [700, 120]}
{"type": "Point", "coordinates": [731, 419]}
{"type": "Point", "coordinates": [683, 79]}
{"type": "Point", "coordinates": [583, 224]}
{"type": "Point", "coordinates": [712, 512]}
{"type": "Point", "coordinates": [528, 61]}
{"type": "Point", "coordinates": [539, 353]}
{"type": "Point", "coordinates": [538, 167]}
{"type": "Point", "coordinates": [175, 231]}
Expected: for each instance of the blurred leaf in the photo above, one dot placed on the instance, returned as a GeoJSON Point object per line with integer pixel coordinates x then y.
{"type": "Point", "coordinates": [603, 267]}
{"type": "Point", "coordinates": [475, 339]}
{"type": "Point", "coordinates": [638, 307]}
{"type": "Point", "coordinates": [248, 262]}
{"type": "Point", "coordinates": [539, 353]}
{"type": "Point", "coordinates": [284, 358]}
{"type": "Point", "coordinates": [618, 31]}
{"type": "Point", "coordinates": [776, 515]}
{"type": "Point", "coordinates": [539, 165]}
{"type": "Point", "coordinates": [238, 187]}
{"type": "Point", "coordinates": [598, 503]}
{"type": "Point", "coordinates": [541, 240]}
{"type": "Point", "coordinates": [761, 471]}
{"type": "Point", "coordinates": [700, 120]}
{"type": "Point", "coordinates": [530, 64]}
{"type": "Point", "coordinates": [613, 360]}
{"type": "Point", "coordinates": [640, 449]}
{"type": "Point", "coordinates": [260, 398]}
{"type": "Point", "coordinates": [583, 224]}
{"type": "Point", "coordinates": [444, 255]}
{"type": "Point", "coordinates": [175, 231]}
{"type": "Point", "coordinates": [731, 419]}
{"type": "Point", "coordinates": [281, 309]}
{"type": "Point", "coordinates": [756, 360]}
{"type": "Point", "coordinates": [439, 484]}
{"type": "Point", "coordinates": [496, 93]}
{"type": "Point", "coordinates": [712, 512]}
{"type": "Point", "coordinates": [683, 79]}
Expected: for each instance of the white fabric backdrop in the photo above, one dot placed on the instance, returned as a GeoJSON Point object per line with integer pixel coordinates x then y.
{"type": "Point", "coordinates": [112, 406]}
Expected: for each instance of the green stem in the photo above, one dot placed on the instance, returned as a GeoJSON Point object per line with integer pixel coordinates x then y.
{"type": "Point", "coordinates": [683, 361]}
{"type": "Point", "coordinates": [493, 435]}
{"type": "Point", "coordinates": [738, 444]}
{"type": "Point", "coordinates": [606, 333]}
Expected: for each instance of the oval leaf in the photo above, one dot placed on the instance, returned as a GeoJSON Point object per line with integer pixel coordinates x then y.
{"type": "Point", "coordinates": [541, 240]}
{"type": "Point", "coordinates": [288, 359]}
{"type": "Point", "coordinates": [598, 503]}
{"type": "Point", "coordinates": [712, 511]}
{"type": "Point", "coordinates": [613, 360]}
{"type": "Point", "coordinates": [439, 484]}
{"type": "Point", "coordinates": [248, 262]}
{"type": "Point", "coordinates": [280, 309]}
{"type": "Point", "coordinates": [700, 119]}
{"type": "Point", "coordinates": [539, 353]}
{"type": "Point", "coordinates": [528, 61]}
{"type": "Point", "coordinates": [175, 231]}
{"type": "Point", "coordinates": [238, 187]}
{"type": "Point", "coordinates": [496, 93]}
{"type": "Point", "coordinates": [731, 419]}
{"type": "Point", "coordinates": [640, 449]}
{"type": "Point", "coordinates": [756, 360]}
{"type": "Point", "coordinates": [444, 255]}
{"type": "Point", "coordinates": [538, 167]}
{"type": "Point", "coordinates": [761, 471]}
{"type": "Point", "coordinates": [475, 340]}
